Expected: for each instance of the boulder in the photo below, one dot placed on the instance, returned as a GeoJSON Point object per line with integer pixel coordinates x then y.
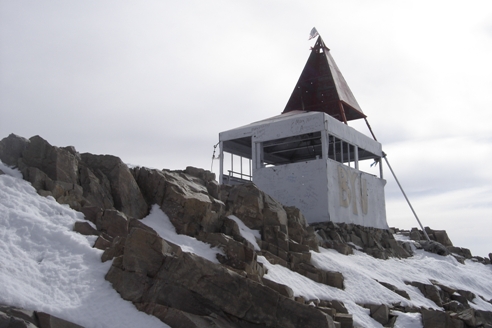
{"type": "Point", "coordinates": [434, 247]}
{"type": "Point", "coordinates": [380, 312]}
{"type": "Point", "coordinates": [22, 318]}
{"type": "Point", "coordinates": [85, 228]}
{"type": "Point", "coordinates": [113, 222]}
{"type": "Point", "coordinates": [393, 288]}
{"type": "Point", "coordinates": [461, 251]}
{"type": "Point", "coordinates": [11, 149]}
{"type": "Point", "coordinates": [255, 208]}
{"type": "Point", "coordinates": [182, 197]}
{"type": "Point", "coordinates": [96, 188]}
{"type": "Point", "coordinates": [59, 164]}
{"type": "Point", "coordinates": [439, 319]}
{"type": "Point", "coordinates": [50, 321]}
{"type": "Point", "coordinates": [125, 192]}
{"type": "Point", "coordinates": [429, 291]}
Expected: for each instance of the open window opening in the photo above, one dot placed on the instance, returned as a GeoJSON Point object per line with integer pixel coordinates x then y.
{"type": "Point", "coordinates": [236, 161]}
{"type": "Point", "coordinates": [300, 148]}
{"type": "Point", "coordinates": [343, 152]}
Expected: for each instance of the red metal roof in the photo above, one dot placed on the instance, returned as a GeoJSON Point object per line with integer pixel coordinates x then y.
{"type": "Point", "coordinates": [322, 88]}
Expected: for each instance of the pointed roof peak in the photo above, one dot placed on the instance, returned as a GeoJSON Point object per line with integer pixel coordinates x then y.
{"type": "Point", "coordinates": [322, 87]}
{"type": "Point", "coordinates": [320, 44]}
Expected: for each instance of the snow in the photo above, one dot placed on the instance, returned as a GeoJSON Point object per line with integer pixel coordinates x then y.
{"type": "Point", "coordinates": [408, 320]}
{"type": "Point", "coordinates": [160, 222]}
{"type": "Point", "coordinates": [247, 233]}
{"type": "Point", "coordinates": [47, 267]}
{"type": "Point", "coordinates": [361, 272]}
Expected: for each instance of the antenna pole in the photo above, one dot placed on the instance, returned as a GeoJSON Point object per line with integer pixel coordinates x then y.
{"type": "Point", "coordinates": [399, 185]}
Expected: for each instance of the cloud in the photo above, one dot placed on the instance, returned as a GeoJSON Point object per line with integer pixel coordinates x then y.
{"type": "Point", "coordinates": [155, 83]}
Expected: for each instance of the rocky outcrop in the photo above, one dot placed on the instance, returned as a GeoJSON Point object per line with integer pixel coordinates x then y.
{"type": "Point", "coordinates": [184, 290]}
{"type": "Point", "coordinates": [441, 244]}
{"type": "Point", "coordinates": [22, 318]}
{"type": "Point", "coordinates": [344, 238]}
{"type": "Point", "coordinates": [79, 180]}
{"type": "Point", "coordinates": [162, 280]}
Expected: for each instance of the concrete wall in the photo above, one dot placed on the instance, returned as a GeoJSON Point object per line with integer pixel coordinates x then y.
{"type": "Point", "coordinates": [355, 196]}
{"type": "Point", "coordinates": [303, 185]}
{"type": "Point", "coordinates": [327, 191]}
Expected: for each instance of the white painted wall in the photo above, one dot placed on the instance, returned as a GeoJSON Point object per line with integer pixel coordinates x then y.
{"type": "Point", "coordinates": [303, 185]}
{"type": "Point", "coordinates": [355, 196]}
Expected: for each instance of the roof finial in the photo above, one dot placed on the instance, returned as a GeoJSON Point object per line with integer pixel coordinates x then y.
{"type": "Point", "coordinates": [314, 33]}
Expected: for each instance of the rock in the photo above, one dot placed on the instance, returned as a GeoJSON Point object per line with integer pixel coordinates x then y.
{"type": "Point", "coordinates": [434, 247]}
{"type": "Point", "coordinates": [207, 177]}
{"type": "Point", "coordinates": [114, 249]}
{"type": "Point", "coordinates": [181, 319]}
{"type": "Point", "coordinates": [484, 317]}
{"type": "Point", "coordinates": [16, 317]}
{"type": "Point", "coordinates": [415, 234]}
{"type": "Point", "coordinates": [92, 213]}
{"type": "Point", "coordinates": [467, 294]}
{"type": "Point", "coordinates": [439, 319]}
{"type": "Point", "coordinates": [380, 313]}
{"type": "Point", "coordinates": [58, 163]}
{"type": "Point", "coordinates": [96, 188]}
{"type": "Point", "coordinates": [125, 192]}
{"type": "Point", "coordinates": [10, 321]}
{"type": "Point", "coordinates": [237, 255]}
{"type": "Point", "coordinates": [453, 306]}
{"type": "Point", "coordinates": [182, 197]}
{"type": "Point", "coordinates": [255, 208]}
{"type": "Point", "coordinates": [429, 291]}
{"type": "Point", "coordinates": [442, 237]}
{"type": "Point", "coordinates": [85, 228]}
{"type": "Point", "coordinates": [102, 243]}
{"type": "Point", "coordinates": [296, 224]}
{"type": "Point", "coordinates": [461, 251]}
{"type": "Point", "coordinates": [345, 320]}
{"type": "Point", "coordinates": [150, 272]}
{"type": "Point", "coordinates": [279, 288]}
{"type": "Point", "coordinates": [11, 149]}
{"type": "Point", "coordinates": [49, 321]}
{"type": "Point", "coordinates": [113, 222]}
{"type": "Point", "coordinates": [395, 289]}
{"type": "Point", "coordinates": [12, 317]}
{"type": "Point", "coordinates": [144, 252]}
{"type": "Point", "coordinates": [338, 306]}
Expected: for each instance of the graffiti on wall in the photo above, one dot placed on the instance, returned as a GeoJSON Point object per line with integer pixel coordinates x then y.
{"type": "Point", "coordinates": [353, 190]}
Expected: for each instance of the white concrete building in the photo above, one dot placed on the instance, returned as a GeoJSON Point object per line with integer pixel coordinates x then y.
{"type": "Point", "coordinates": [308, 156]}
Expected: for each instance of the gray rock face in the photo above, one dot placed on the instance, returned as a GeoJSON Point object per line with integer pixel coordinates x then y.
{"type": "Point", "coordinates": [182, 197]}
{"type": "Point", "coordinates": [378, 243]}
{"type": "Point", "coordinates": [153, 273]}
{"type": "Point", "coordinates": [59, 164]}
{"type": "Point", "coordinates": [11, 149]}
{"type": "Point", "coordinates": [78, 180]}
{"type": "Point", "coordinates": [12, 317]}
{"type": "Point", "coordinates": [125, 192]}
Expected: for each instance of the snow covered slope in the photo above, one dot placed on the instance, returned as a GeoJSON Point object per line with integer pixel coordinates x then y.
{"type": "Point", "coordinates": [47, 267]}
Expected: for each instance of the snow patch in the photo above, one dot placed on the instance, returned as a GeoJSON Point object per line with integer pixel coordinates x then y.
{"type": "Point", "coordinates": [159, 221]}
{"type": "Point", "coordinates": [247, 233]}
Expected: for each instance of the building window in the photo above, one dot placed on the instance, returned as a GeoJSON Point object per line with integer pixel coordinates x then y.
{"type": "Point", "coordinates": [300, 148]}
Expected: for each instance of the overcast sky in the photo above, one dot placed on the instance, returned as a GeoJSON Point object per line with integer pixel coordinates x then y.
{"type": "Point", "coordinates": [154, 82]}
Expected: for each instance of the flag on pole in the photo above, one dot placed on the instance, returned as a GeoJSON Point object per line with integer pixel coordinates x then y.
{"type": "Point", "coordinates": [313, 34]}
